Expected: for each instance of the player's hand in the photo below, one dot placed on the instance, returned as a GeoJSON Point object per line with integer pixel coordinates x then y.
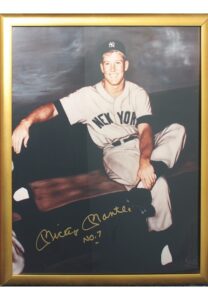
{"type": "Point", "coordinates": [20, 136]}
{"type": "Point", "coordinates": [147, 175]}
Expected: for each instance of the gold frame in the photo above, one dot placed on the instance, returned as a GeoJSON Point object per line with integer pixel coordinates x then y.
{"type": "Point", "coordinates": [6, 24]}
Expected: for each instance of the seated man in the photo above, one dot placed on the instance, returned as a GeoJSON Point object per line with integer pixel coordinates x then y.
{"type": "Point", "coordinates": [118, 116]}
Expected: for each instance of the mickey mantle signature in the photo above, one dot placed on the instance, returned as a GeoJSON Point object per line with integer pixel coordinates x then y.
{"type": "Point", "coordinates": [46, 237]}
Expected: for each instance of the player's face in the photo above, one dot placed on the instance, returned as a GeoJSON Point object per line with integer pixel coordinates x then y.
{"type": "Point", "coordinates": [113, 67]}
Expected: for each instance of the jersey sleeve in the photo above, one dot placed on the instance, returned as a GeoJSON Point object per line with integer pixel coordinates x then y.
{"type": "Point", "coordinates": [73, 107]}
{"type": "Point", "coordinates": [143, 108]}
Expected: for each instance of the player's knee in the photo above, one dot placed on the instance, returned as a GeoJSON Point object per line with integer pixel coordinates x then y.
{"type": "Point", "coordinates": [181, 134]}
{"type": "Point", "coordinates": [181, 131]}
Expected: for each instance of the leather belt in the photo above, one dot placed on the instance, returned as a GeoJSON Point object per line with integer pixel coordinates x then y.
{"type": "Point", "coordinates": [125, 140]}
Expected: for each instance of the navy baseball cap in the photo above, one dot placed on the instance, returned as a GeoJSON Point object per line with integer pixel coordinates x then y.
{"type": "Point", "coordinates": [112, 45]}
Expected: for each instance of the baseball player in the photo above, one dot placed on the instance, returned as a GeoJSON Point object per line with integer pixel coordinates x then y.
{"type": "Point", "coordinates": [118, 116]}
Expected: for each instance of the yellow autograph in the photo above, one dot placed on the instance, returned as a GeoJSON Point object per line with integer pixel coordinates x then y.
{"type": "Point", "coordinates": [94, 220]}
{"type": "Point", "coordinates": [47, 237]}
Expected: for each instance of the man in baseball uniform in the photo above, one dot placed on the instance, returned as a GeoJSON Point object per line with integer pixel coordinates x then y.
{"type": "Point", "coordinates": [118, 116]}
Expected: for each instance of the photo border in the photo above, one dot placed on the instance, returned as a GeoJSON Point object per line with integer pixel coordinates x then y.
{"type": "Point", "coordinates": [6, 24]}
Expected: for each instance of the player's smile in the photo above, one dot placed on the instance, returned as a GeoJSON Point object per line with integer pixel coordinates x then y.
{"type": "Point", "coordinates": [114, 76]}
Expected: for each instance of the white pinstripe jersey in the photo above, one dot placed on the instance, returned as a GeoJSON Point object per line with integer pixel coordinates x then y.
{"type": "Point", "coordinates": [107, 118]}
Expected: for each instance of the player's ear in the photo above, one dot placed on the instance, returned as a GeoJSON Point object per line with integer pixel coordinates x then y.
{"type": "Point", "coordinates": [101, 67]}
{"type": "Point", "coordinates": [126, 65]}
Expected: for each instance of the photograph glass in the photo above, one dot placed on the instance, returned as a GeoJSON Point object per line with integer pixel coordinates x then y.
{"type": "Point", "coordinates": [103, 150]}
{"type": "Point", "coordinates": [106, 149]}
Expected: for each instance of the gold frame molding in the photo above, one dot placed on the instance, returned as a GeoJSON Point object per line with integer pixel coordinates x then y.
{"type": "Point", "coordinates": [6, 24]}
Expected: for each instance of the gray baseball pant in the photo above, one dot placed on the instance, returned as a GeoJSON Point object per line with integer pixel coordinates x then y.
{"type": "Point", "coordinates": [122, 163]}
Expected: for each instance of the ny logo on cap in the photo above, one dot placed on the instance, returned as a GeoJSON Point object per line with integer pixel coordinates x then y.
{"type": "Point", "coordinates": [111, 45]}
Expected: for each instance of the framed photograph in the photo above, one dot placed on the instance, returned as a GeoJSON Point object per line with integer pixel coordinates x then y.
{"type": "Point", "coordinates": [103, 150]}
